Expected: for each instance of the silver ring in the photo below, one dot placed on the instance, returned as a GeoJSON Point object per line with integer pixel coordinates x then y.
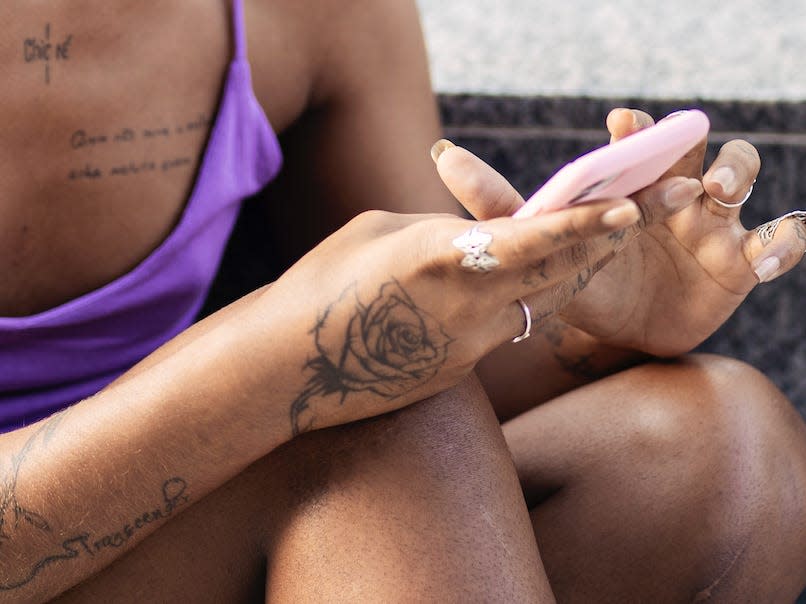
{"type": "Point", "coordinates": [738, 204]}
{"type": "Point", "coordinates": [766, 231]}
{"type": "Point", "coordinates": [527, 314]}
{"type": "Point", "coordinates": [474, 244]}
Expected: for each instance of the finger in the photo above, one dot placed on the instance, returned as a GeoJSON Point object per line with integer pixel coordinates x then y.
{"type": "Point", "coordinates": [731, 176]}
{"type": "Point", "coordinates": [665, 198]}
{"type": "Point", "coordinates": [476, 185]}
{"type": "Point", "coordinates": [512, 249]}
{"type": "Point", "coordinates": [579, 261]}
{"type": "Point", "coordinates": [780, 255]}
{"type": "Point", "coordinates": [622, 122]}
{"type": "Point", "coordinates": [544, 305]}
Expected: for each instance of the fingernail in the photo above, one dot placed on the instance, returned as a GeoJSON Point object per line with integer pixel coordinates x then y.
{"type": "Point", "coordinates": [439, 148]}
{"type": "Point", "coordinates": [622, 216]}
{"type": "Point", "coordinates": [726, 177]}
{"type": "Point", "coordinates": [683, 193]}
{"type": "Point", "coordinates": [767, 269]}
{"type": "Point", "coordinates": [674, 114]}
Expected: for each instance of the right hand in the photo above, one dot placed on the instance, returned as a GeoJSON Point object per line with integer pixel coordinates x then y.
{"type": "Point", "coordinates": [397, 319]}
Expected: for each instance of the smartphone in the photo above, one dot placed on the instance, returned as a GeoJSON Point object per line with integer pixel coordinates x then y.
{"type": "Point", "coordinates": [620, 169]}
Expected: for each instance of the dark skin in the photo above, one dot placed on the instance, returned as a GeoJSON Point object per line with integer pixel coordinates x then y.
{"type": "Point", "coordinates": [206, 468]}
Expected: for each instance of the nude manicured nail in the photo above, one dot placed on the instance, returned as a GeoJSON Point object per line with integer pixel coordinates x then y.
{"type": "Point", "coordinates": [439, 148]}
{"type": "Point", "coordinates": [726, 177]}
{"type": "Point", "coordinates": [682, 194]}
{"type": "Point", "coordinates": [621, 216]}
{"type": "Point", "coordinates": [767, 269]}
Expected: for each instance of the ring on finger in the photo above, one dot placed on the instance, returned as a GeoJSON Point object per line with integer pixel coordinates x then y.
{"type": "Point", "coordinates": [474, 244]}
{"type": "Point", "coordinates": [766, 231]}
{"type": "Point", "coordinates": [527, 315]}
{"type": "Point", "coordinates": [738, 204]}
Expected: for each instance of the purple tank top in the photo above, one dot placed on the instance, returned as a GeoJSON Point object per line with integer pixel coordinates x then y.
{"type": "Point", "coordinates": [53, 359]}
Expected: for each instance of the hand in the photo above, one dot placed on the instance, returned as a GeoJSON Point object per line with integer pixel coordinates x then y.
{"type": "Point", "coordinates": [677, 282]}
{"type": "Point", "coordinates": [396, 318]}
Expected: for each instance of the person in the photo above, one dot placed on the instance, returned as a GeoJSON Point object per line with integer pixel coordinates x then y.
{"type": "Point", "coordinates": [326, 438]}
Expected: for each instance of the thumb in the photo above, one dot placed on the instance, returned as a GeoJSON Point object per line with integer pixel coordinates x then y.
{"type": "Point", "coordinates": [477, 186]}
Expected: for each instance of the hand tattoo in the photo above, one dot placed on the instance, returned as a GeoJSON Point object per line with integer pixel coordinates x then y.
{"type": "Point", "coordinates": [388, 348]}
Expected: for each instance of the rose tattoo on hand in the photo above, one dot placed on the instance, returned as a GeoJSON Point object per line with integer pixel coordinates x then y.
{"type": "Point", "coordinates": [389, 348]}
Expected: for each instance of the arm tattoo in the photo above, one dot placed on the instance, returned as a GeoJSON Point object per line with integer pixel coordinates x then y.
{"type": "Point", "coordinates": [14, 518]}
{"type": "Point", "coordinates": [387, 347]}
{"type": "Point", "coordinates": [11, 512]}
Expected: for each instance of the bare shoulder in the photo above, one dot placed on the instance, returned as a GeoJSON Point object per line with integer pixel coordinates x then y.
{"type": "Point", "coordinates": [311, 52]}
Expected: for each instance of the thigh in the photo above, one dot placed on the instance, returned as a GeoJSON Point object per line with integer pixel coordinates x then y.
{"type": "Point", "coordinates": [420, 505]}
{"type": "Point", "coordinates": [679, 481]}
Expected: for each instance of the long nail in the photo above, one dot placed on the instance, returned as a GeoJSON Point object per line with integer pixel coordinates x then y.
{"type": "Point", "coordinates": [621, 216]}
{"type": "Point", "coordinates": [766, 269]}
{"type": "Point", "coordinates": [683, 193]}
{"type": "Point", "coordinates": [439, 148]}
{"type": "Point", "coordinates": [726, 178]}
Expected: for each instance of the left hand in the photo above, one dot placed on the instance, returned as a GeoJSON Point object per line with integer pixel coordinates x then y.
{"type": "Point", "coordinates": [679, 279]}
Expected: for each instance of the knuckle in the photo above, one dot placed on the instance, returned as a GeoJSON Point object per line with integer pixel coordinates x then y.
{"type": "Point", "coordinates": [434, 255]}
{"type": "Point", "coordinates": [578, 224]}
{"type": "Point", "coordinates": [372, 220]}
{"type": "Point", "coordinates": [520, 250]}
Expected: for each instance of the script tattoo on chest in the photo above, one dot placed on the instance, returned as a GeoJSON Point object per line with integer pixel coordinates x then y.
{"type": "Point", "coordinates": [46, 50]}
{"type": "Point", "coordinates": [132, 142]}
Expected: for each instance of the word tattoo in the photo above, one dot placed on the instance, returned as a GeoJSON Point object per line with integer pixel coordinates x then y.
{"type": "Point", "coordinates": [127, 139]}
{"type": "Point", "coordinates": [16, 519]}
{"type": "Point", "coordinates": [42, 50]}
{"type": "Point", "coordinates": [387, 347]}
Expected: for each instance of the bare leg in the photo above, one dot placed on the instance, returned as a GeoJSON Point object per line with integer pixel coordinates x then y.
{"type": "Point", "coordinates": [420, 505]}
{"type": "Point", "coordinates": [672, 482]}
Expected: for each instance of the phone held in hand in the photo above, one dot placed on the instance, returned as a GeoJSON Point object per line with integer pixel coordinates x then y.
{"type": "Point", "coordinates": [622, 168]}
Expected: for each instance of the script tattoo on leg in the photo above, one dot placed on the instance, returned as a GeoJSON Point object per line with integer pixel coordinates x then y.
{"type": "Point", "coordinates": [387, 347]}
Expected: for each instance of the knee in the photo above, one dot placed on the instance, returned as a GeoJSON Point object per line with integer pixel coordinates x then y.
{"type": "Point", "coordinates": [727, 450]}
{"type": "Point", "coordinates": [726, 411]}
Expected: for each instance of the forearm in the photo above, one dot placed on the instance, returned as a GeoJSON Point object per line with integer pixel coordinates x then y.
{"type": "Point", "coordinates": [556, 359]}
{"type": "Point", "coordinates": [86, 485]}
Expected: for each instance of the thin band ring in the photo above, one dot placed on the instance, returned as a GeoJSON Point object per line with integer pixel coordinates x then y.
{"type": "Point", "coordinates": [527, 314]}
{"type": "Point", "coordinates": [738, 204]}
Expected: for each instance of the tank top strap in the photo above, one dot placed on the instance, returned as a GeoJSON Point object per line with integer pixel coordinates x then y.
{"type": "Point", "coordinates": [239, 30]}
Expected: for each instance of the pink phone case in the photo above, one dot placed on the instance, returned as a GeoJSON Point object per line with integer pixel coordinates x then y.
{"type": "Point", "coordinates": [620, 169]}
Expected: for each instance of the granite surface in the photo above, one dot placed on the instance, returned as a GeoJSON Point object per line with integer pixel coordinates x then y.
{"type": "Point", "coordinates": [744, 49]}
